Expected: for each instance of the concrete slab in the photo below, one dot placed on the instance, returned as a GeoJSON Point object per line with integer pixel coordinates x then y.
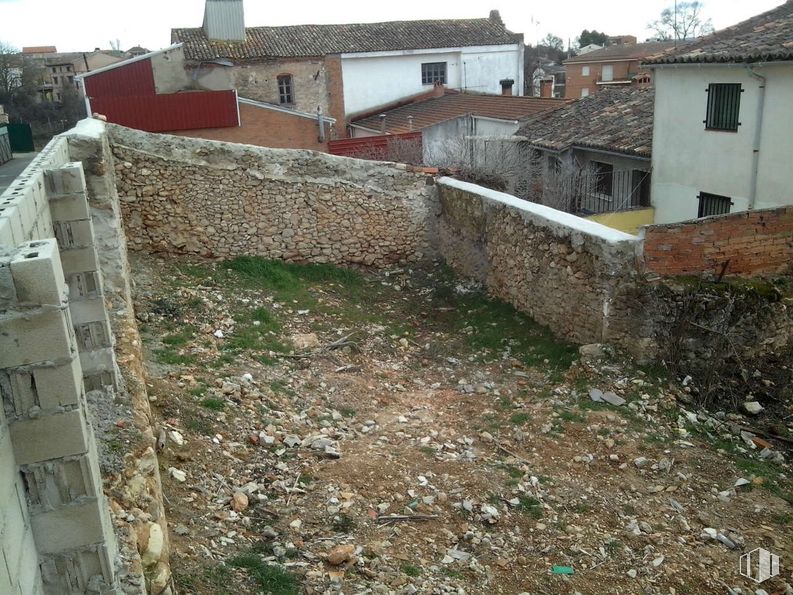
{"type": "Point", "coordinates": [10, 170]}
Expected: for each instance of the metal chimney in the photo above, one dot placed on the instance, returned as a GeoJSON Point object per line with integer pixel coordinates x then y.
{"type": "Point", "coordinates": [224, 20]}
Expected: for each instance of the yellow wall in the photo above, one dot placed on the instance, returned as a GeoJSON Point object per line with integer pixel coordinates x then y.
{"type": "Point", "coordinates": [627, 221]}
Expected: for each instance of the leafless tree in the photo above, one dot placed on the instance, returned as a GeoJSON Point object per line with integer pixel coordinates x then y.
{"type": "Point", "coordinates": [10, 69]}
{"type": "Point", "coordinates": [686, 22]}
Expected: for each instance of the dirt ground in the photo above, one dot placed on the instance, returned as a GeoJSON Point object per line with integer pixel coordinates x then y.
{"type": "Point", "coordinates": [340, 432]}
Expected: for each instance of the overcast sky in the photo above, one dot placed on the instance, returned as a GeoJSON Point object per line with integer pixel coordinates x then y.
{"type": "Point", "coordinates": [74, 25]}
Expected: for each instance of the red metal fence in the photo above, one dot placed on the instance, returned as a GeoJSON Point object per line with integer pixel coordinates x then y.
{"type": "Point", "coordinates": [405, 147]}
{"type": "Point", "coordinates": [133, 79]}
{"type": "Point", "coordinates": [168, 113]}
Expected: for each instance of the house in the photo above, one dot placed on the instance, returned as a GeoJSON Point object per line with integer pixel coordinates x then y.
{"type": "Point", "coordinates": [593, 155]}
{"type": "Point", "coordinates": [344, 70]}
{"type": "Point", "coordinates": [447, 119]}
{"type": "Point", "coordinates": [723, 138]}
{"type": "Point", "coordinates": [548, 79]}
{"type": "Point", "coordinates": [613, 65]}
{"type": "Point", "coordinates": [157, 93]}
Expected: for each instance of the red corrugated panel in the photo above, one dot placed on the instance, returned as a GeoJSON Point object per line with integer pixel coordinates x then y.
{"type": "Point", "coordinates": [167, 113]}
{"type": "Point", "coordinates": [372, 147]}
{"type": "Point", "coordinates": [135, 79]}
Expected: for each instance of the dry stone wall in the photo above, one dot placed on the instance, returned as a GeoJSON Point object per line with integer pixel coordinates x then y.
{"type": "Point", "coordinates": [564, 271]}
{"type": "Point", "coordinates": [219, 200]}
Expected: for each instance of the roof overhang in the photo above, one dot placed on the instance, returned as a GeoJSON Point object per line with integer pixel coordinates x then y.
{"type": "Point", "coordinates": [85, 75]}
{"type": "Point", "coordinates": [672, 65]}
{"type": "Point", "coordinates": [504, 47]}
{"type": "Point", "coordinates": [619, 82]}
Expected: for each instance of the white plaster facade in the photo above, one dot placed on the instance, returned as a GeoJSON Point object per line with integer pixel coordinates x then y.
{"type": "Point", "coordinates": [688, 159]}
{"type": "Point", "coordinates": [374, 79]}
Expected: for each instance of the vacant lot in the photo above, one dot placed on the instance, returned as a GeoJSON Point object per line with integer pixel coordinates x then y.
{"type": "Point", "coordinates": [335, 431]}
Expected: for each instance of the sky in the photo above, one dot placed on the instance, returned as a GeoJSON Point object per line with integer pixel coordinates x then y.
{"type": "Point", "coordinates": [80, 25]}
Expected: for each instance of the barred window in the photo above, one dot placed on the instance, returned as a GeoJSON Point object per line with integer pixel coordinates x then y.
{"type": "Point", "coordinates": [433, 72]}
{"type": "Point", "coordinates": [713, 204]}
{"type": "Point", "coordinates": [724, 106]}
{"type": "Point", "coordinates": [285, 94]}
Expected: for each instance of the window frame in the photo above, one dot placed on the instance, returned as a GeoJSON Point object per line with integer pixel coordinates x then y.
{"type": "Point", "coordinates": [286, 89]}
{"type": "Point", "coordinates": [434, 72]}
{"type": "Point", "coordinates": [723, 107]}
{"type": "Point", "coordinates": [610, 68]}
{"type": "Point", "coordinates": [714, 199]}
{"type": "Point", "coordinates": [585, 92]}
{"type": "Point", "coordinates": [604, 177]}
{"type": "Point", "coordinates": [585, 71]}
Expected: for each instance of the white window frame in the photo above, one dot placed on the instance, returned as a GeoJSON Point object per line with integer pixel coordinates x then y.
{"type": "Point", "coordinates": [607, 68]}
{"type": "Point", "coordinates": [585, 92]}
{"type": "Point", "coordinates": [585, 71]}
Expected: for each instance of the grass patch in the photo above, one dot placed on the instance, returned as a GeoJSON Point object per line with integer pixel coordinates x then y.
{"type": "Point", "coordinates": [270, 578]}
{"type": "Point", "coordinates": [199, 425]}
{"type": "Point", "coordinates": [772, 477]}
{"type": "Point", "coordinates": [428, 450]}
{"type": "Point", "coordinates": [171, 357]}
{"type": "Point", "coordinates": [347, 411]}
{"type": "Point", "coordinates": [256, 330]}
{"type": "Point", "coordinates": [213, 404]}
{"type": "Point", "coordinates": [410, 570]}
{"type": "Point", "coordinates": [571, 416]}
{"type": "Point", "coordinates": [278, 386]}
{"type": "Point", "coordinates": [520, 419]}
{"type": "Point", "coordinates": [530, 506]}
{"type": "Point", "coordinates": [343, 523]}
{"type": "Point", "coordinates": [613, 546]}
{"type": "Point", "coordinates": [178, 339]}
{"type": "Point", "coordinates": [452, 573]}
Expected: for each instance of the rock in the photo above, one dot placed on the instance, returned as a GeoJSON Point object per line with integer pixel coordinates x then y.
{"type": "Point", "coordinates": [640, 462]}
{"type": "Point", "coordinates": [154, 547]}
{"type": "Point", "coordinates": [596, 395]}
{"type": "Point", "coordinates": [177, 474]}
{"type": "Point", "coordinates": [218, 333]}
{"type": "Point", "coordinates": [632, 573]}
{"type": "Point", "coordinates": [291, 440]}
{"type": "Point", "coordinates": [305, 341]}
{"type": "Point", "coordinates": [181, 530]}
{"type": "Point", "coordinates": [753, 407]}
{"type": "Point", "coordinates": [591, 351]}
{"type": "Point", "coordinates": [613, 399]}
{"type": "Point", "coordinates": [176, 437]}
{"type": "Point", "coordinates": [239, 501]}
{"type": "Point", "coordinates": [341, 554]}
{"type": "Point", "coordinates": [269, 532]}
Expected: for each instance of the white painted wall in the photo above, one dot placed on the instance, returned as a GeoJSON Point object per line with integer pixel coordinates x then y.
{"type": "Point", "coordinates": [687, 159]}
{"type": "Point", "coordinates": [375, 79]}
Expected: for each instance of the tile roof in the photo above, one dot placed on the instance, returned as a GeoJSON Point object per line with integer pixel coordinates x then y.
{"type": "Point", "coordinates": [320, 40]}
{"type": "Point", "coordinates": [618, 119]}
{"type": "Point", "coordinates": [632, 51]}
{"type": "Point", "coordinates": [763, 38]}
{"type": "Point", "coordinates": [453, 105]}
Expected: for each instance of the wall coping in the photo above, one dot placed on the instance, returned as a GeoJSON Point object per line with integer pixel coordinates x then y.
{"type": "Point", "coordinates": [548, 217]}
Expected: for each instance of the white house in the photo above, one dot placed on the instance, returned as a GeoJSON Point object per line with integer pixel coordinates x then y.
{"type": "Point", "coordinates": [723, 128]}
{"type": "Point", "coordinates": [347, 70]}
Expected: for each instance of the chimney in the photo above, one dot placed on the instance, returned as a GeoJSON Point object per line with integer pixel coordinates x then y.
{"type": "Point", "coordinates": [410, 122]}
{"type": "Point", "coordinates": [224, 20]}
{"type": "Point", "coordinates": [506, 86]}
{"type": "Point", "coordinates": [438, 90]}
{"type": "Point", "coordinates": [382, 123]}
{"type": "Point", "coordinates": [495, 16]}
{"type": "Point", "coordinates": [546, 88]}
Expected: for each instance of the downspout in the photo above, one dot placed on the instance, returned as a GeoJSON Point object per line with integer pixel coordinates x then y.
{"type": "Point", "coordinates": [758, 134]}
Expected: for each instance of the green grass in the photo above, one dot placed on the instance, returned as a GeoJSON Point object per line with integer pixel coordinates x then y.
{"type": "Point", "coordinates": [171, 357]}
{"type": "Point", "coordinates": [347, 411]}
{"type": "Point", "coordinates": [256, 330]}
{"type": "Point", "coordinates": [428, 450]}
{"type": "Point", "coordinates": [270, 578]}
{"type": "Point", "coordinates": [178, 339]}
{"type": "Point", "coordinates": [613, 546]}
{"type": "Point", "coordinates": [530, 506]}
{"type": "Point", "coordinates": [213, 404]}
{"type": "Point", "coordinates": [520, 419]}
{"type": "Point", "coordinates": [452, 573]}
{"type": "Point", "coordinates": [278, 386]}
{"type": "Point", "coordinates": [411, 570]}
{"type": "Point", "coordinates": [773, 480]}
{"type": "Point", "coordinates": [343, 523]}
{"type": "Point", "coordinates": [199, 425]}
{"type": "Point", "coordinates": [571, 416]}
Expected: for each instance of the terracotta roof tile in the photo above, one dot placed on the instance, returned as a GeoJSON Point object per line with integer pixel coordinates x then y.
{"type": "Point", "coordinates": [634, 51]}
{"type": "Point", "coordinates": [453, 105]}
{"type": "Point", "coordinates": [613, 119]}
{"type": "Point", "coordinates": [321, 40]}
{"type": "Point", "coordinates": [766, 37]}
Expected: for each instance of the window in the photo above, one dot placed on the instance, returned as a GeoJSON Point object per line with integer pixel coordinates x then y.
{"type": "Point", "coordinates": [713, 204]}
{"type": "Point", "coordinates": [604, 177]}
{"type": "Point", "coordinates": [640, 194]}
{"type": "Point", "coordinates": [554, 164]}
{"type": "Point", "coordinates": [55, 80]}
{"type": "Point", "coordinates": [71, 79]}
{"type": "Point", "coordinates": [433, 72]}
{"type": "Point", "coordinates": [724, 105]}
{"type": "Point", "coordinates": [585, 92]}
{"type": "Point", "coordinates": [585, 71]}
{"type": "Point", "coordinates": [607, 74]}
{"type": "Point", "coordinates": [285, 94]}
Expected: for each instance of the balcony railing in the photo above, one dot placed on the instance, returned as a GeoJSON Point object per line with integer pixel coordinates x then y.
{"type": "Point", "coordinates": [588, 192]}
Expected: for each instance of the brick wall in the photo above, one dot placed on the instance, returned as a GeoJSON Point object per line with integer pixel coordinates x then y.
{"type": "Point", "coordinates": [750, 243]}
{"type": "Point", "coordinates": [335, 89]}
{"type": "Point", "coordinates": [575, 81]}
{"type": "Point", "coordinates": [266, 128]}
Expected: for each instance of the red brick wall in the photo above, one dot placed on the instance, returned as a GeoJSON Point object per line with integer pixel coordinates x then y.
{"type": "Point", "coordinates": [335, 86]}
{"type": "Point", "coordinates": [754, 242]}
{"type": "Point", "coordinates": [575, 81]}
{"type": "Point", "coordinates": [266, 128]}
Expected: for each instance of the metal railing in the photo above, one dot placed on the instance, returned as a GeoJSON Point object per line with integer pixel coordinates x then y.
{"type": "Point", "coordinates": [588, 191]}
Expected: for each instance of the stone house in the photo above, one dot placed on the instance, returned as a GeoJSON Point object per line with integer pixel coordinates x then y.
{"type": "Point", "coordinates": [613, 65]}
{"type": "Point", "coordinates": [344, 70]}
{"type": "Point", "coordinates": [723, 135]}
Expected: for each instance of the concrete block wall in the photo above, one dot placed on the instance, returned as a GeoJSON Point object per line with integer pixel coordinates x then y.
{"type": "Point", "coordinates": [49, 438]}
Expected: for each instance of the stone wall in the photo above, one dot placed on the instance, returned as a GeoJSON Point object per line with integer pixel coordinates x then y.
{"type": "Point", "coordinates": [744, 244]}
{"type": "Point", "coordinates": [562, 270]}
{"type": "Point", "coordinates": [218, 200]}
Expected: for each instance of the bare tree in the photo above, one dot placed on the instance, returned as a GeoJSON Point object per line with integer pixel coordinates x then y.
{"type": "Point", "coordinates": [686, 22]}
{"type": "Point", "coordinates": [10, 69]}
{"type": "Point", "coordinates": [552, 41]}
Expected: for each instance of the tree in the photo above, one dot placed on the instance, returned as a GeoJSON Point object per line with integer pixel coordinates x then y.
{"type": "Point", "coordinates": [553, 42]}
{"type": "Point", "coordinates": [589, 37]}
{"type": "Point", "coordinates": [10, 69]}
{"type": "Point", "coordinates": [684, 23]}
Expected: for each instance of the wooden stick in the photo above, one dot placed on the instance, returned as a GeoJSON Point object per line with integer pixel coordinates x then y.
{"type": "Point", "coordinates": [405, 517]}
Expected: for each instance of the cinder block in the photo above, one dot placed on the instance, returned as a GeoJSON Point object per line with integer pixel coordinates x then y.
{"type": "Point", "coordinates": [13, 534]}
{"type": "Point", "coordinates": [84, 285]}
{"type": "Point", "coordinates": [62, 481]}
{"type": "Point", "coordinates": [5, 575]}
{"type": "Point", "coordinates": [38, 275]}
{"type": "Point", "coordinates": [79, 260]}
{"type": "Point", "coordinates": [97, 361]}
{"type": "Point", "coordinates": [70, 527]}
{"type": "Point", "coordinates": [59, 386]}
{"type": "Point", "coordinates": [29, 573]}
{"type": "Point", "coordinates": [69, 208]}
{"type": "Point", "coordinates": [74, 234]}
{"type": "Point", "coordinates": [9, 474]}
{"type": "Point", "coordinates": [92, 336]}
{"type": "Point", "coordinates": [62, 572]}
{"type": "Point", "coordinates": [88, 310]}
{"type": "Point", "coordinates": [12, 222]}
{"type": "Point", "coordinates": [6, 235]}
{"type": "Point", "coordinates": [67, 179]}
{"type": "Point", "coordinates": [49, 437]}
{"type": "Point", "coordinates": [31, 337]}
